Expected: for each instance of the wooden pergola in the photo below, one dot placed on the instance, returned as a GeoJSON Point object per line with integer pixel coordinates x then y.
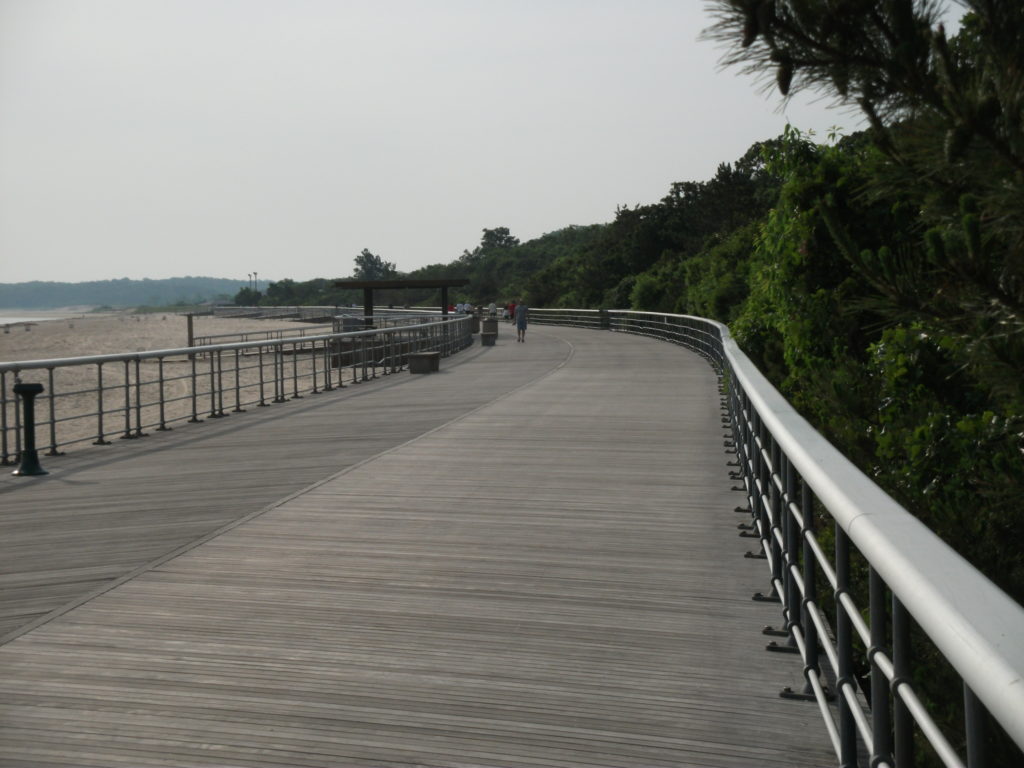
{"type": "Point", "coordinates": [369, 286]}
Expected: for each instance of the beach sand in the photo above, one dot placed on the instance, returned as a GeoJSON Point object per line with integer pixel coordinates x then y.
{"type": "Point", "coordinates": [75, 424]}
{"type": "Point", "coordinates": [102, 334]}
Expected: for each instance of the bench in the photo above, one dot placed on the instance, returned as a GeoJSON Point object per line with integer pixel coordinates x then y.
{"type": "Point", "coordinates": [424, 362]}
{"type": "Point", "coordinates": [488, 339]}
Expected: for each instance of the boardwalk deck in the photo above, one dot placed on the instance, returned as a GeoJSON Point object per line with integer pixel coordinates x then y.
{"type": "Point", "coordinates": [529, 559]}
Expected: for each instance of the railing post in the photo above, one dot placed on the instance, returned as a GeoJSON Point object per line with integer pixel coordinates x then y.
{"type": "Point", "coordinates": [903, 721]}
{"type": "Point", "coordinates": [50, 396]}
{"type": "Point", "coordinates": [220, 384]}
{"type": "Point", "coordinates": [752, 470]}
{"type": "Point", "coordinates": [790, 553]}
{"type": "Point", "coordinates": [195, 390]}
{"type": "Point", "coordinates": [789, 592]}
{"type": "Point", "coordinates": [278, 374]}
{"type": "Point", "coordinates": [127, 403]}
{"type": "Point", "coordinates": [100, 438]}
{"type": "Point", "coordinates": [881, 717]}
{"type": "Point", "coordinates": [295, 371]}
{"type": "Point", "coordinates": [213, 389]}
{"type": "Point", "coordinates": [29, 464]}
{"type": "Point", "coordinates": [160, 375]}
{"type": "Point", "coordinates": [4, 455]}
{"type": "Point", "coordinates": [844, 639]}
{"type": "Point", "coordinates": [138, 399]}
{"type": "Point", "coordinates": [238, 386]}
{"type": "Point", "coordinates": [312, 359]}
{"type": "Point", "coordinates": [263, 402]}
{"type": "Point", "coordinates": [772, 514]}
{"type": "Point", "coordinates": [974, 728]}
{"type": "Point", "coordinates": [328, 386]}
{"type": "Point", "coordinates": [338, 345]}
{"type": "Point", "coordinates": [812, 668]}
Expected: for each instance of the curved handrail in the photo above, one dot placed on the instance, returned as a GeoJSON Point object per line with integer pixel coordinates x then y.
{"type": "Point", "coordinates": [785, 465]}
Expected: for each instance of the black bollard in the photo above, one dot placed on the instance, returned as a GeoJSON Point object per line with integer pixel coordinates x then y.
{"type": "Point", "coordinates": [29, 456]}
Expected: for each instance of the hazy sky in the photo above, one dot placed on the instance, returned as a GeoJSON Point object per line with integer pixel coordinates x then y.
{"type": "Point", "coordinates": [159, 138]}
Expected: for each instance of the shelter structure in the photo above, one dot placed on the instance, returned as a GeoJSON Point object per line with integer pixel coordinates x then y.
{"type": "Point", "coordinates": [368, 287]}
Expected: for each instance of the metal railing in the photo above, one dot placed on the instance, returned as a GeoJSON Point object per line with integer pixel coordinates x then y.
{"type": "Point", "coordinates": [339, 324]}
{"type": "Point", "coordinates": [296, 312]}
{"type": "Point", "coordinates": [93, 399]}
{"type": "Point", "coordinates": [791, 475]}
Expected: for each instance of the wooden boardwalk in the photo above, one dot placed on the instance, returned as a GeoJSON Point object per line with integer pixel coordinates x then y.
{"type": "Point", "coordinates": [529, 559]}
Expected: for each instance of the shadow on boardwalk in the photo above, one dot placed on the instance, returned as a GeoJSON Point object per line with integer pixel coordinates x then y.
{"type": "Point", "coordinates": [527, 559]}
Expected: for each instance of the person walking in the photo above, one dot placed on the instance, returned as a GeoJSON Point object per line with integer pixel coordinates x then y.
{"type": "Point", "coordinates": [521, 316]}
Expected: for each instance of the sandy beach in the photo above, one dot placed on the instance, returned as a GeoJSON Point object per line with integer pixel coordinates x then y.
{"type": "Point", "coordinates": [74, 416]}
{"type": "Point", "coordinates": [48, 335]}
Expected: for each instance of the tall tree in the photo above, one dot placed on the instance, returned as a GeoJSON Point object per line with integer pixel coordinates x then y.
{"type": "Point", "coordinates": [499, 237]}
{"type": "Point", "coordinates": [947, 119]}
{"type": "Point", "coordinates": [369, 266]}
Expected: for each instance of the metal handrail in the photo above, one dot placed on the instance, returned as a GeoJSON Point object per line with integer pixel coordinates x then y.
{"type": "Point", "coordinates": [387, 319]}
{"type": "Point", "coordinates": [789, 470]}
{"type": "Point", "coordinates": [119, 389]}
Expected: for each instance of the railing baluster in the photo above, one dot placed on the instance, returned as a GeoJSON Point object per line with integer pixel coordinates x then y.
{"type": "Point", "coordinates": [263, 401]}
{"type": "Point", "coordinates": [903, 721]}
{"type": "Point", "coordinates": [193, 383]}
{"type": "Point", "coordinates": [312, 359]}
{"type": "Point", "coordinates": [881, 750]}
{"type": "Point", "coordinates": [213, 388]}
{"type": "Point", "coordinates": [238, 386]}
{"type": "Point", "coordinates": [138, 399]}
{"type": "Point", "coordinates": [844, 638]}
{"type": "Point", "coordinates": [295, 372]}
{"type": "Point", "coordinates": [974, 728]}
{"type": "Point", "coordinates": [162, 395]}
{"type": "Point", "coordinates": [17, 420]}
{"type": "Point", "coordinates": [127, 404]}
{"type": "Point", "coordinates": [5, 456]}
{"type": "Point", "coordinates": [278, 375]}
{"type": "Point", "coordinates": [51, 396]}
{"type": "Point", "coordinates": [220, 384]}
{"type": "Point", "coordinates": [99, 407]}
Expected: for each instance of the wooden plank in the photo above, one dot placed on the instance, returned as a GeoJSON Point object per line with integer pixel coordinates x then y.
{"type": "Point", "coordinates": [551, 578]}
{"type": "Point", "coordinates": [105, 511]}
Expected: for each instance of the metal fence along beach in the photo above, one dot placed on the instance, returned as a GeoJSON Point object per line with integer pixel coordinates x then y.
{"type": "Point", "coordinates": [126, 396]}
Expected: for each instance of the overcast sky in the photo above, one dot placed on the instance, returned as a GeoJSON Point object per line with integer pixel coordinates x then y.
{"type": "Point", "coordinates": [160, 138]}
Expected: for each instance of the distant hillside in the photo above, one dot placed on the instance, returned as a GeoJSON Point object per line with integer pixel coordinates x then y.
{"type": "Point", "coordinates": [117, 293]}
